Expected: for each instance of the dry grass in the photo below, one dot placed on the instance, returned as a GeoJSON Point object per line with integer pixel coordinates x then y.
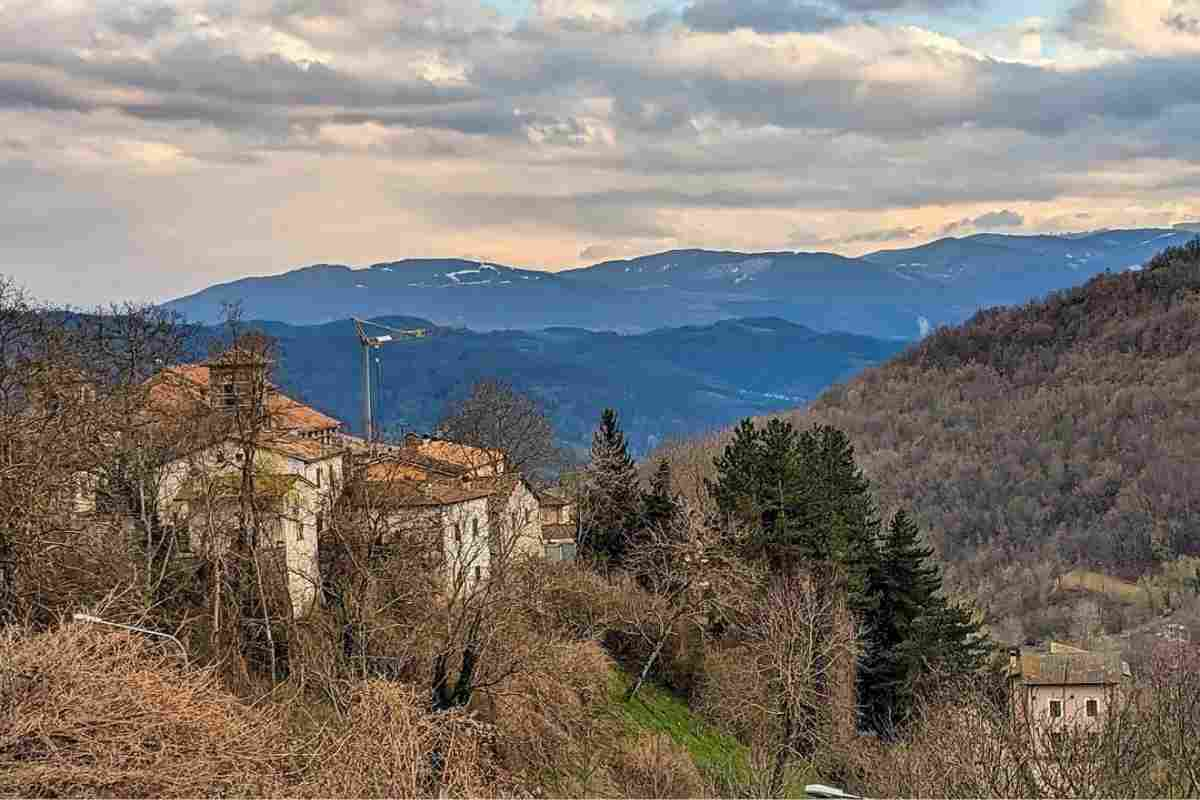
{"type": "Point", "coordinates": [391, 745]}
{"type": "Point", "coordinates": [92, 713]}
{"type": "Point", "coordinates": [653, 765]}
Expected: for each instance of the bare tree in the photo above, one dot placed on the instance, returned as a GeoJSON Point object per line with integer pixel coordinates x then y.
{"type": "Point", "coordinates": [784, 678]}
{"type": "Point", "coordinates": [496, 417]}
{"type": "Point", "coordinates": [690, 576]}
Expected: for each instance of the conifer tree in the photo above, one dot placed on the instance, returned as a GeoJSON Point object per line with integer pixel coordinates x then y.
{"type": "Point", "coordinates": [659, 504]}
{"type": "Point", "coordinates": [915, 633]}
{"type": "Point", "coordinates": [803, 498]}
{"type": "Point", "coordinates": [611, 502]}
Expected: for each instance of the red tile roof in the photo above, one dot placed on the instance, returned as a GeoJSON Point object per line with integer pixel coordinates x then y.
{"type": "Point", "coordinates": [179, 387]}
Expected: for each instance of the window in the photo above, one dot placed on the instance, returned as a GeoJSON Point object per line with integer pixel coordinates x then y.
{"type": "Point", "coordinates": [475, 528]}
{"type": "Point", "coordinates": [320, 523]}
{"type": "Point", "coordinates": [1093, 708]}
{"type": "Point", "coordinates": [1056, 708]}
{"type": "Point", "coordinates": [318, 477]}
{"type": "Point", "coordinates": [478, 572]}
{"type": "Point", "coordinates": [457, 533]}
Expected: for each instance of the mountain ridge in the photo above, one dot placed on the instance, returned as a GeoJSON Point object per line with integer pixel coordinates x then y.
{"type": "Point", "coordinates": [890, 293]}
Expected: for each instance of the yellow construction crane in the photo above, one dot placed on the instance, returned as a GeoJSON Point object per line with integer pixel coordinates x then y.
{"type": "Point", "coordinates": [374, 342]}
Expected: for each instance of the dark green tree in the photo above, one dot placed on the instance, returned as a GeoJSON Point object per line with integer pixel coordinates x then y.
{"type": "Point", "coordinates": [660, 504]}
{"type": "Point", "coordinates": [803, 500]}
{"type": "Point", "coordinates": [611, 502]}
{"type": "Point", "coordinates": [915, 637]}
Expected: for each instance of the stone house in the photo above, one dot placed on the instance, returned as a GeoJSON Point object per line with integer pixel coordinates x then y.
{"type": "Point", "coordinates": [297, 474]}
{"type": "Point", "coordinates": [473, 522]}
{"type": "Point", "coordinates": [446, 521]}
{"type": "Point", "coordinates": [1057, 687]}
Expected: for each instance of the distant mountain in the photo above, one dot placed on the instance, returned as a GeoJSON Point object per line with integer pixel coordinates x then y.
{"type": "Point", "coordinates": [670, 382]}
{"type": "Point", "coordinates": [890, 293]}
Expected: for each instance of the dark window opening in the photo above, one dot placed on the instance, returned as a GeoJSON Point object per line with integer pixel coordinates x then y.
{"type": "Point", "coordinates": [1093, 708]}
{"type": "Point", "coordinates": [1056, 708]}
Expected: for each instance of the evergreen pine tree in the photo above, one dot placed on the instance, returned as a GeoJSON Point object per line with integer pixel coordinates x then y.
{"type": "Point", "coordinates": [803, 498]}
{"type": "Point", "coordinates": [659, 504]}
{"type": "Point", "coordinates": [610, 493]}
{"type": "Point", "coordinates": [914, 633]}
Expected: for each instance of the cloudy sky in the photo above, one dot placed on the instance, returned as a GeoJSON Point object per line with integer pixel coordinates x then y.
{"type": "Point", "coordinates": [150, 149]}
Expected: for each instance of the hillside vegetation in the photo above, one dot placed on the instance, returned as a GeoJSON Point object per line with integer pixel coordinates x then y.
{"type": "Point", "coordinates": [670, 382]}
{"type": "Point", "coordinates": [1031, 439]}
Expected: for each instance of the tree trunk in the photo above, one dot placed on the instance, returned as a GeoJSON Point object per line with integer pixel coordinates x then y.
{"type": "Point", "coordinates": [779, 768]}
{"type": "Point", "coordinates": [633, 690]}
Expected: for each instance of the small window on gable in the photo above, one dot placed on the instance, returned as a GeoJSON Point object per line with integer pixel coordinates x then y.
{"type": "Point", "coordinates": [1093, 708]}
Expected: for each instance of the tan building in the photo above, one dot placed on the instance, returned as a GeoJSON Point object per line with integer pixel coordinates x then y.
{"type": "Point", "coordinates": [297, 471]}
{"type": "Point", "coordinates": [558, 526]}
{"type": "Point", "coordinates": [470, 523]}
{"type": "Point", "coordinates": [1058, 687]}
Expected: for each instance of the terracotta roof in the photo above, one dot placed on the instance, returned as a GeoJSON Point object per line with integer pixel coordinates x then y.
{"type": "Point", "coordinates": [186, 385]}
{"type": "Point", "coordinates": [392, 456]}
{"type": "Point", "coordinates": [294, 415]}
{"type": "Point", "coordinates": [463, 455]}
{"type": "Point", "coordinates": [1070, 668]}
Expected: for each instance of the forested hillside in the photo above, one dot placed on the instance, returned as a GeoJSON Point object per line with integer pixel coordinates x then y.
{"type": "Point", "coordinates": [669, 382]}
{"type": "Point", "coordinates": [1034, 438]}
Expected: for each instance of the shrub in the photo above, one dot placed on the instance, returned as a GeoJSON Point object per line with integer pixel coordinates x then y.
{"type": "Point", "coordinates": [653, 765]}
{"type": "Point", "coordinates": [103, 714]}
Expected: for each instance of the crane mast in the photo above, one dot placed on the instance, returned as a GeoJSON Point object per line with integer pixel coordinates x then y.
{"type": "Point", "coordinates": [370, 343]}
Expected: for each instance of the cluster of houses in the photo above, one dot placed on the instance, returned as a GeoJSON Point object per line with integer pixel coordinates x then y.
{"type": "Point", "coordinates": [304, 465]}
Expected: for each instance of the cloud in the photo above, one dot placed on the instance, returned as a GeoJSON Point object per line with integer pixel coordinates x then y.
{"type": "Point", "coordinates": [813, 238]}
{"type": "Point", "coordinates": [1148, 27]}
{"type": "Point", "coordinates": [797, 16]}
{"type": "Point", "coordinates": [763, 16]}
{"type": "Point", "coordinates": [884, 235]}
{"type": "Point", "coordinates": [373, 129]}
{"type": "Point", "coordinates": [992, 219]}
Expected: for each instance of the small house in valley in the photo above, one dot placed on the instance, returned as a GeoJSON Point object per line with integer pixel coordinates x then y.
{"type": "Point", "coordinates": [1057, 687]}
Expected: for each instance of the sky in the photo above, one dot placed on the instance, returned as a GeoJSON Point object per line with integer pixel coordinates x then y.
{"type": "Point", "coordinates": [150, 149]}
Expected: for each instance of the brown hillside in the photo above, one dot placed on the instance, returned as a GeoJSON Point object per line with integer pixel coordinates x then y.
{"type": "Point", "coordinates": [1060, 433]}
